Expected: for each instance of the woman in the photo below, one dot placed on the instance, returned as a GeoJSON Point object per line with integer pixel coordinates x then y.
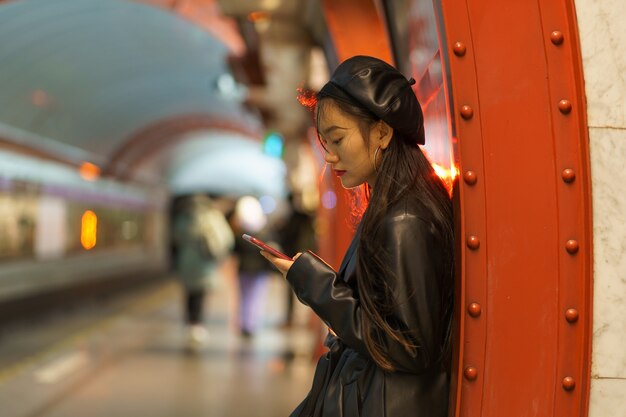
{"type": "Point", "coordinates": [389, 306]}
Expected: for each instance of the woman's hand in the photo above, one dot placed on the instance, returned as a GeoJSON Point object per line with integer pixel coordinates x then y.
{"type": "Point", "coordinates": [282, 265]}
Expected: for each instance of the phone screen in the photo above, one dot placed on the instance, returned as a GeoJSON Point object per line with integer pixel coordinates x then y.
{"type": "Point", "coordinates": [267, 248]}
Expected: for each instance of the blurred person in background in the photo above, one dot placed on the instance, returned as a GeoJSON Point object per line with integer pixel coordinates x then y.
{"type": "Point", "coordinates": [295, 233]}
{"type": "Point", "coordinates": [253, 271]}
{"type": "Point", "coordinates": [202, 239]}
{"type": "Point", "coordinates": [389, 307]}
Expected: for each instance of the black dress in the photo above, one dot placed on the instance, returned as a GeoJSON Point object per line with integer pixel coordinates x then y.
{"type": "Point", "coordinates": [347, 381]}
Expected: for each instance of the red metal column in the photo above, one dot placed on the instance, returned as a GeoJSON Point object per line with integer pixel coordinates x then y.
{"type": "Point", "coordinates": [472, 307]}
{"type": "Point", "coordinates": [516, 89]}
{"type": "Point", "coordinates": [568, 110]}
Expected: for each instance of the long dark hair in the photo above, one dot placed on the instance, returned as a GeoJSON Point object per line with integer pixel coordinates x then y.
{"type": "Point", "coordinates": [404, 172]}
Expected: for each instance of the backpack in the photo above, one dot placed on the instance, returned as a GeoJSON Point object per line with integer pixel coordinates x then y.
{"type": "Point", "coordinates": [216, 237]}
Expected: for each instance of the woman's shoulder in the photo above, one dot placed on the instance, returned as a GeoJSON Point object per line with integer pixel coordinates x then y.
{"type": "Point", "coordinates": [408, 210]}
{"type": "Point", "coordinates": [409, 227]}
{"type": "Point", "coordinates": [407, 217]}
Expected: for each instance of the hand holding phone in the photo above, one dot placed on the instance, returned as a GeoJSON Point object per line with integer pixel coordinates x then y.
{"type": "Point", "coordinates": [267, 248]}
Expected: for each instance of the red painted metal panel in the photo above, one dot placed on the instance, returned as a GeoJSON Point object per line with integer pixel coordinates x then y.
{"type": "Point", "coordinates": [574, 197]}
{"type": "Point", "coordinates": [518, 102]}
{"type": "Point", "coordinates": [521, 211]}
{"type": "Point", "coordinates": [471, 227]}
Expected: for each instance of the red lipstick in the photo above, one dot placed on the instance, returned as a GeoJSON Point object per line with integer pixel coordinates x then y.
{"type": "Point", "coordinates": [339, 172]}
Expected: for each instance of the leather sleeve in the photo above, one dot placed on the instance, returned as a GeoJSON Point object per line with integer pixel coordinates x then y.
{"type": "Point", "coordinates": [413, 252]}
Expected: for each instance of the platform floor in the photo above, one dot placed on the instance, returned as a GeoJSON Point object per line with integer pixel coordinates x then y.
{"type": "Point", "coordinates": [128, 356]}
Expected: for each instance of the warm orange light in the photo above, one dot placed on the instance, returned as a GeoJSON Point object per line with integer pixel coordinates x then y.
{"type": "Point", "coordinates": [88, 230]}
{"type": "Point", "coordinates": [447, 175]}
{"type": "Point", "coordinates": [89, 171]}
{"type": "Point", "coordinates": [258, 16]}
{"type": "Point", "coordinates": [306, 98]}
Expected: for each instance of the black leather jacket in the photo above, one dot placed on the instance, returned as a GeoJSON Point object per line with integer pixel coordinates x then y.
{"type": "Point", "coordinates": [347, 382]}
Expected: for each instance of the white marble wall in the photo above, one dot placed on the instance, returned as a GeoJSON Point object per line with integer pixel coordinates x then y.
{"type": "Point", "coordinates": [603, 44]}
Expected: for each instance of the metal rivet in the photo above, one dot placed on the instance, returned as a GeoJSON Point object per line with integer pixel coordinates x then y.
{"type": "Point", "coordinates": [565, 106]}
{"type": "Point", "coordinates": [467, 112]}
{"type": "Point", "coordinates": [568, 175]}
{"type": "Point", "coordinates": [568, 383]}
{"type": "Point", "coordinates": [571, 315]}
{"type": "Point", "coordinates": [571, 246]}
{"type": "Point", "coordinates": [474, 309]}
{"type": "Point", "coordinates": [557, 37]}
{"type": "Point", "coordinates": [473, 242]}
{"type": "Point", "coordinates": [470, 177]}
{"type": "Point", "coordinates": [470, 373]}
{"type": "Point", "coordinates": [459, 49]}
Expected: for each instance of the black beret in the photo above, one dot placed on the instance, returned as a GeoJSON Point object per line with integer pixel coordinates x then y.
{"type": "Point", "coordinates": [383, 90]}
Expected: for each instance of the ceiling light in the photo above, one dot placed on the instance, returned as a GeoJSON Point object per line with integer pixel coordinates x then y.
{"type": "Point", "coordinates": [270, 4]}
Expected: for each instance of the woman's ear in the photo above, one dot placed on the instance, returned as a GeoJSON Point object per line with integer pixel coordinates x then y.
{"type": "Point", "coordinates": [385, 133]}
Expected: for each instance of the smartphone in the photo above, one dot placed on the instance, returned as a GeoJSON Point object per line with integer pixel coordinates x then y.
{"type": "Point", "coordinates": [267, 248]}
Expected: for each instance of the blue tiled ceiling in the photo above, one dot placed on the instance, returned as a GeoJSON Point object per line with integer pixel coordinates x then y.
{"type": "Point", "coordinates": [90, 73]}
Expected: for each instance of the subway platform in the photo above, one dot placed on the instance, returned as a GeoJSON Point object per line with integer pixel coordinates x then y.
{"type": "Point", "coordinates": [127, 356]}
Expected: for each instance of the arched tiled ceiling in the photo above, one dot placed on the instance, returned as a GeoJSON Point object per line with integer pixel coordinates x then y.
{"type": "Point", "coordinates": [81, 76]}
{"type": "Point", "coordinates": [139, 152]}
{"type": "Point", "coordinates": [205, 162]}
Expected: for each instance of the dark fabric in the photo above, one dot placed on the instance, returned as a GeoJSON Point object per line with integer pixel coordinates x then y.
{"type": "Point", "coordinates": [347, 382]}
{"type": "Point", "coordinates": [194, 301]}
{"type": "Point", "coordinates": [381, 89]}
{"type": "Point", "coordinates": [250, 260]}
{"type": "Point", "coordinates": [296, 234]}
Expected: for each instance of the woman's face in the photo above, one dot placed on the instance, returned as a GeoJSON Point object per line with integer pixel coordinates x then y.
{"type": "Point", "coordinates": [349, 154]}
